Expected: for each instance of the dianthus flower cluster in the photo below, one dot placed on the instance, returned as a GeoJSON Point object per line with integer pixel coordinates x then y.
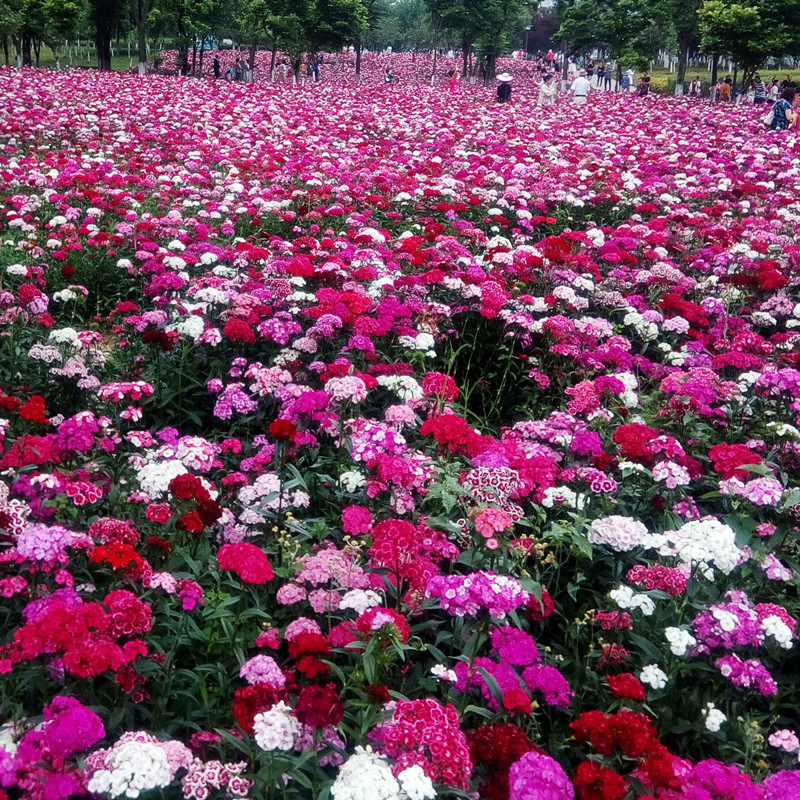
{"type": "Point", "coordinates": [749, 674]}
{"type": "Point", "coordinates": [462, 595]}
{"type": "Point", "coordinates": [620, 533]}
{"type": "Point", "coordinates": [427, 734]}
{"type": "Point", "coordinates": [536, 776]}
{"type": "Point", "coordinates": [671, 580]}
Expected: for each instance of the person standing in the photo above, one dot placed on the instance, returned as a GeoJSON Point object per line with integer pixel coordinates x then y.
{"type": "Point", "coordinates": [725, 90]}
{"type": "Point", "coordinates": [547, 92]}
{"type": "Point", "coordinates": [760, 90]}
{"type": "Point", "coordinates": [774, 91]}
{"type": "Point", "coordinates": [608, 76]}
{"type": "Point", "coordinates": [784, 116]}
{"type": "Point", "coordinates": [217, 67]}
{"type": "Point", "coordinates": [601, 73]}
{"type": "Point", "coordinates": [696, 87]}
{"type": "Point", "coordinates": [580, 88]}
{"type": "Point", "coordinates": [504, 88]}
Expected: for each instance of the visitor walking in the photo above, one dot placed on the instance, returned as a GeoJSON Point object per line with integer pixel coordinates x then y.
{"type": "Point", "coordinates": [504, 89]}
{"type": "Point", "coordinates": [547, 92]}
{"type": "Point", "coordinates": [455, 79]}
{"type": "Point", "coordinates": [608, 76]}
{"type": "Point", "coordinates": [580, 88]}
{"type": "Point", "coordinates": [783, 115]}
{"type": "Point", "coordinates": [725, 87]}
{"type": "Point", "coordinates": [601, 73]}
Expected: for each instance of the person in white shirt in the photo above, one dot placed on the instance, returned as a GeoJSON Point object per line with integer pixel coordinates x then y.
{"type": "Point", "coordinates": [580, 88]}
{"type": "Point", "coordinates": [547, 91]}
{"type": "Point", "coordinates": [630, 73]}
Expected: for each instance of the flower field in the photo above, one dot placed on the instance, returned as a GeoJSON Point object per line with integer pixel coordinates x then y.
{"type": "Point", "coordinates": [388, 445]}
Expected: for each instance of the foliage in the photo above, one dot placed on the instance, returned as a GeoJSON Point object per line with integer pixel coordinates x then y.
{"type": "Point", "coordinates": [749, 33]}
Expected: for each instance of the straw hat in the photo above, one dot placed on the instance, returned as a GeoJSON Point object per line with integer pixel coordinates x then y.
{"type": "Point", "coordinates": [504, 77]}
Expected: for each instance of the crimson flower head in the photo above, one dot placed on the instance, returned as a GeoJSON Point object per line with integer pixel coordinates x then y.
{"type": "Point", "coordinates": [34, 410]}
{"type": "Point", "coordinates": [538, 610]}
{"type": "Point", "coordinates": [247, 561]}
{"type": "Point", "coordinates": [626, 685]}
{"type": "Point", "coordinates": [191, 521]}
{"type": "Point", "coordinates": [319, 706]}
{"type": "Point", "coordinates": [283, 429]}
{"type": "Point", "coordinates": [437, 384]}
{"type": "Point", "coordinates": [593, 782]}
{"type": "Point", "coordinates": [237, 330]}
{"type": "Point", "coordinates": [188, 487]}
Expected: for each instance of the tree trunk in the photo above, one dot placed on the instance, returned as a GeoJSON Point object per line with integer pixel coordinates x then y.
{"type": "Point", "coordinates": [141, 30]}
{"type": "Point", "coordinates": [272, 61]}
{"type": "Point", "coordinates": [436, 26]}
{"type": "Point", "coordinates": [194, 56]}
{"type": "Point", "coordinates": [37, 50]}
{"type": "Point", "coordinates": [358, 58]}
{"type": "Point", "coordinates": [564, 68]}
{"type": "Point", "coordinates": [252, 59]}
{"type": "Point", "coordinates": [296, 62]}
{"type": "Point", "coordinates": [714, 69]}
{"type": "Point", "coordinates": [464, 54]}
{"type": "Point", "coordinates": [684, 41]}
{"type": "Point", "coordinates": [202, 53]}
{"type": "Point", "coordinates": [27, 59]}
{"type": "Point", "coordinates": [5, 52]}
{"type": "Point", "coordinates": [103, 44]}
{"type": "Point", "coordinates": [491, 66]}
{"type": "Point", "coordinates": [183, 49]}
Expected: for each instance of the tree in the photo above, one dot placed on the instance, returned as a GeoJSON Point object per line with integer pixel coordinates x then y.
{"type": "Point", "coordinates": [749, 33]}
{"type": "Point", "coordinates": [375, 10]}
{"type": "Point", "coordinates": [45, 22]}
{"type": "Point", "coordinates": [304, 26]}
{"type": "Point", "coordinates": [10, 24]}
{"type": "Point", "coordinates": [187, 18]}
{"type": "Point", "coordinates": [405, 27]}
{"type": "Point", "coordinates": [681, 18]}
{"type": "Point", "coordinates": [105, 15]}
{"type": "Point", "coordinates": [623, 27]}
{"type": "Point", "coordinates": [140, 10]}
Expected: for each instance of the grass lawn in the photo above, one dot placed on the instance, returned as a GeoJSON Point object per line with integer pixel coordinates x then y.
{"type": "Point", "coordinates": [86, 57]}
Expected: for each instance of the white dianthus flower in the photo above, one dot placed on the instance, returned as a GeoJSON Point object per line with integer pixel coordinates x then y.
{"type": "Point", "coordinates": [365, 776]}
{"type": "Point", "coordinates": [277, 728]}
{"type": "Point", "coordinates": [714, 717]}
{"type": "Point", "coordinates": [64, 336]}
{"type": "Point", "coordinates": [653, 676]}
{"type": "Point", "coordinates": [132, 768]}
{"type": "Point", "coordinates": [776, 628]}
{"type": "Point", "coordinates": [360, 600]}
{"type": "Point", "coordinates": [352, 480]}
{"type": "Point", "coordinates": [404, 386]}
{"type": "Point", "coordinates": [679, 640]}
{"type": "Point", "coordinates": [416, 784]}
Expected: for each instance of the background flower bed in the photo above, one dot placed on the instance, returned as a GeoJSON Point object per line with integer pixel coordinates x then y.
{"type": "Point", "coordinates": [462, 433]}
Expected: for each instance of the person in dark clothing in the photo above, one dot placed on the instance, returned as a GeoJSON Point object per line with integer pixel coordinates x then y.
{"type": "Point", "coordinates": [504, 89]}
{"type": "Point", "coordinates": [217, 68]}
